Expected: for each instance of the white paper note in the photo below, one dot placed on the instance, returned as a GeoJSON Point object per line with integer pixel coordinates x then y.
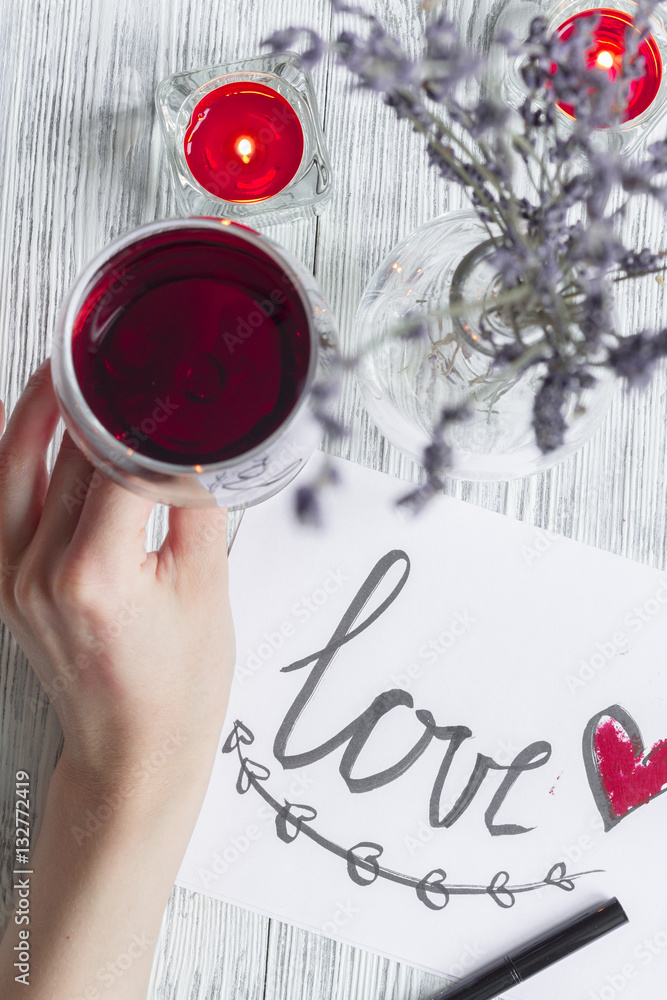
{"type": "Point", "coordinates": [437, 744]}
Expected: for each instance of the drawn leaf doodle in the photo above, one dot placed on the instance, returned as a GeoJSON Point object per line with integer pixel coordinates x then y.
{"type": "Point", "coordinates": [290, 818]}
{"type": "Point", "coordinates": [498, 892]}
{"type": "Point", "coordinates": [250, 773]}
{"type": "Point", "coordinates": [556, 876]}
{"type": "Point", "coordinates": [362, 865]}
{"type": "Point", "coordinates": [433, 882]}
{"type": "Point", "coordinates": [239, 734]}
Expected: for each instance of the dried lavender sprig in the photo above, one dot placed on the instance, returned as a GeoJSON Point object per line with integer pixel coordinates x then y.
{"type": "Point", "coordinates": [636, 356]}
{"type": "Point", "coordinates": [562, 267]}
{"type": "Point", "coordinates": [437, 460]}
{"type": "Point", "coordinates": [308, 503]}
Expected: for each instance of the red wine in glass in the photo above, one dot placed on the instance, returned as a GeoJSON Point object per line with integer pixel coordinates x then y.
{"type": "Point", "coordinates": [192, 347]}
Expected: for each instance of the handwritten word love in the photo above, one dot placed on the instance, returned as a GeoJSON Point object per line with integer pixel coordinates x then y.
{"type": "Point", "coordinates": [356, 733]}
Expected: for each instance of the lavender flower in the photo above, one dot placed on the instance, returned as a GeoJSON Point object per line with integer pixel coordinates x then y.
{"type": "Point", "coordinates": [380, 63]}
{"type": "Point", "coordinates": [436, 459]}
{"type": "Point", "coordinates": [415, 326]}
{"type": "Point", "coordinates": [283, 41]}
{"type": "Point", "coordinates": [308, 509]}
{"type": "Point", "coordinates": [308, 497]}
{"type": "Point", "coordinates": [642, 261]}
{"type": "Point", "coordinates": [550, 403]}
{"type": "Point", "coordinates": [447, 62]}
{"type": "Point", "coordinates": [636, 356]}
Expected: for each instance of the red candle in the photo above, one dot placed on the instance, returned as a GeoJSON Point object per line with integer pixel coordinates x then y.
{"type": "Point", "coordinates": [607, 51]}
{"type": "Point", "coordinates": [244, 142]}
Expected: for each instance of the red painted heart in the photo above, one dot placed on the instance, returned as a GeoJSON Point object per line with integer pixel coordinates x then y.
{"type": "Point", "coordinates": [623, 775]}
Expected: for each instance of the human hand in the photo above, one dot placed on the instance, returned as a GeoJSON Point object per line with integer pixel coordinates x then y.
{"type": "Point", "coordinates": [135, 649]}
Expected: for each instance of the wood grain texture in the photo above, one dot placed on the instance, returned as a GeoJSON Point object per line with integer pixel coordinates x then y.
{"type": "Point", "coordinates": [82, 161]}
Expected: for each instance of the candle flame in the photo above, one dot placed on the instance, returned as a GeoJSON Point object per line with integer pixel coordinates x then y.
{"type": "Point", "coordinates": [245, 148]}
{"type": "Point", "coordinates": [605, 60]}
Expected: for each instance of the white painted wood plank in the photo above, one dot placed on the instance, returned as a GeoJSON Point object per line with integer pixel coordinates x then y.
{"type": "Point", "coordinates": [208, 949]}
{"type": "Point", "coordinates": [302, 964]}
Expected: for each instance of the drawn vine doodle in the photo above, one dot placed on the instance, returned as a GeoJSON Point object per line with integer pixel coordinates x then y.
{"type": "Point", "coordinates": [362, 859]}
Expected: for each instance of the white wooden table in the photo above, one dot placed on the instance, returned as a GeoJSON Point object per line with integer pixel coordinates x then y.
{"type": "Point", "coordinates": [82, 161]}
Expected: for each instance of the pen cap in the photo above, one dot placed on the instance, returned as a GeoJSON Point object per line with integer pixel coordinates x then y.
{"type": "Point", "coordinates": [558, 944]}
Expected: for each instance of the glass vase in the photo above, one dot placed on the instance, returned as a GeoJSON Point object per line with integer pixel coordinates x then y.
{"type": "Point", "coordinates": [407, 381]}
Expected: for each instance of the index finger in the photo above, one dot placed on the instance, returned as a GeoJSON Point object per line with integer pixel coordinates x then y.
{"type": "Point", "coordinates": [112, 525]}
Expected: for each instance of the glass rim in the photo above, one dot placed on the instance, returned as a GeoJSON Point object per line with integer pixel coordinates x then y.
{"type": "Point", "coordinates": [63, 361]}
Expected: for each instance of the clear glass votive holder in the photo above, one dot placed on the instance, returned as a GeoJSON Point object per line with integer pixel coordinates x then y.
{"type": "Point", "coordinates": [308, 190]}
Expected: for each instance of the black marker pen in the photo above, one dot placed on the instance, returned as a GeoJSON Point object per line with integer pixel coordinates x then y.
{"type": "Point", "coordinates": [539, 954]}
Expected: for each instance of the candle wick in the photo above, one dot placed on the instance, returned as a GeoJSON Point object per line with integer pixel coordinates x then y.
{"type": "Point", "coordinates": [245, 149]}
